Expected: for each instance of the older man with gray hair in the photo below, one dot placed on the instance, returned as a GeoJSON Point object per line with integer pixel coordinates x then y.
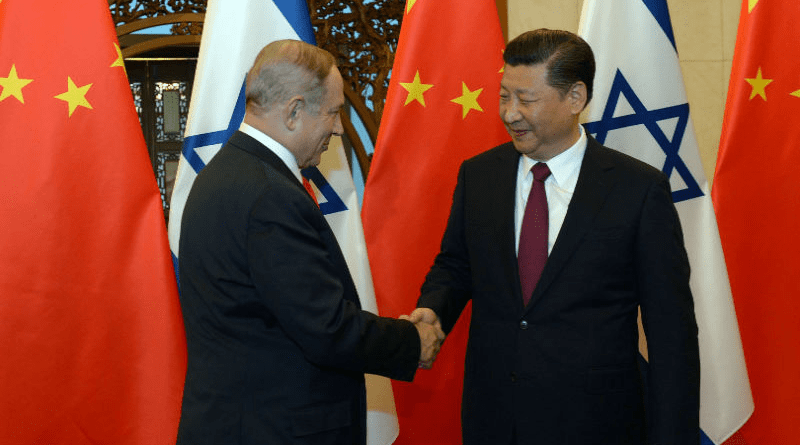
{"type": "Point", "coordinates": [277, 342]}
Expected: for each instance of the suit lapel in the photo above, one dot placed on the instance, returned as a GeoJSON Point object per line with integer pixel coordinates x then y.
{"type": "Point", "coordinates": [591, 190]}
{"type": "Point", "coordinates": [505, 183]}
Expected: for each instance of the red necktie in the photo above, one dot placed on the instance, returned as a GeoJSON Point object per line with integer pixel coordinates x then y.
{"type": "Point", "coordinates": [533, 234]}
{"type": "Point", "coordinates": [310, 190]}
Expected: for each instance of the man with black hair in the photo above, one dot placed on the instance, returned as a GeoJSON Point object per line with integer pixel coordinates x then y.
{"type": "Point", "coordinates": [558, 242]}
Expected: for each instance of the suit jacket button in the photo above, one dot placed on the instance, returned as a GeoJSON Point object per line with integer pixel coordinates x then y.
{"type": "Point", "coordinates": [513, 377]}
{"type": "Point", "coordinates": [523, 325]}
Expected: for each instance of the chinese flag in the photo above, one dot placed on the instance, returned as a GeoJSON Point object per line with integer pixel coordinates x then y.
{"type": "Point", "coordinates": [757, 199]}
{"type": "Point", "coordinates": [441, 109]}
{"type": "Point", "coordinates": [92, 349]}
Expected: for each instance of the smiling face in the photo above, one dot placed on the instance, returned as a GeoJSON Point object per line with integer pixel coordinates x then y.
{"type": "Point", "coordinates": [320, 122]}
{"type": "Point", "coordinates": [542, 121]}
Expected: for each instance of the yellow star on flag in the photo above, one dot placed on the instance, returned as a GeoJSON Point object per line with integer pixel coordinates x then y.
{"type": "Point", "coordinates": [409, 5]}
{"type": "Point", "coordinates": [416, 89]}
{"type": "Point", "coordinates": [75, 96]}
{"type": "Point", "coordinates": [12, 85]}
{"type": "Point", "coordinates": [120, 60]}
{"type": "Point", "coordinates": [795, 93]}
{"type": "Point", "coordinates": [751, 5]}
{"type": "Point", "coordinates": [468, 100]}
{"type": "Point", "coordinates": [759, 85]}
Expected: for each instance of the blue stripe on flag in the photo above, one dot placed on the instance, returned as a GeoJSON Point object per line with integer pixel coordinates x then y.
{"type": "Point", "coordinates": [296, 14]}
{"type": "Point", "coordinates": [661, 13]}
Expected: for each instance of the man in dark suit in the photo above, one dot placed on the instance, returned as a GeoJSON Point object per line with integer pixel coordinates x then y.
{"type": "Point", "coordinates": [557, 364]}
{"type": "Point", "coordinates": [277, 342]}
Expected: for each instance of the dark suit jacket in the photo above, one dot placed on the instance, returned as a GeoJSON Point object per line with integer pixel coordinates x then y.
{"type": "Point", "coordinates": [563, 370]}
{"type": "Point", "coordinates": [277, 342]}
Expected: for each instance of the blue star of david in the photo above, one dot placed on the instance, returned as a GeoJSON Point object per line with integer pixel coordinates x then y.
{"type": "Point", "coordinates": [333, 203]}
{"type": "Point", "coordinates": [650, 119]}
{"type": "Point", "coordinates": [192, 143]}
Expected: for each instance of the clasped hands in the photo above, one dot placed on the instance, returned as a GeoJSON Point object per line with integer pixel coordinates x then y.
{"type": "Point", "coordinates": [430, 332]}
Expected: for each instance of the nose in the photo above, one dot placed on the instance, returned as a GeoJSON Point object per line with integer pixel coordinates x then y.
{"type": "Point", "coordinates": [338, 128]}
{"type": "Point", "coordinates": [509, 112]}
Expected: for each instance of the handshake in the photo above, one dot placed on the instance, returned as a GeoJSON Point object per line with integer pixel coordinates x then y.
{"type": "Point", "coordinates": [430, 332]}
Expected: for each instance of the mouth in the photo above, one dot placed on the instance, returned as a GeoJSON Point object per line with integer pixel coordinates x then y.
{"type": "Point", "coordinates": [517, 133]}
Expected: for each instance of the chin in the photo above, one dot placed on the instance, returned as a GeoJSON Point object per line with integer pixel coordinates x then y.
{"type": "Point", "coordinates": [521, 149]}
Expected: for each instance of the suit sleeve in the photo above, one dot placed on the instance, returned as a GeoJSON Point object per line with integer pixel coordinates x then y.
{"type": "Point", "coordinates": [293, 268]}
{"type": "Point", "coordinates": [447, 287]}
{"type": "Point", "coordinates": [669, 323]}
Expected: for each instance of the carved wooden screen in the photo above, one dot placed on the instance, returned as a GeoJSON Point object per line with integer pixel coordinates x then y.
{"type": "Point", "coordinates": [362, 35]}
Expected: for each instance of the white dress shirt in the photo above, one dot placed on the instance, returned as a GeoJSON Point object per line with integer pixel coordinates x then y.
{"type": "Point", "coordinates": [559, 187]}
{"type": "Point", "coordinates": [280, 151]}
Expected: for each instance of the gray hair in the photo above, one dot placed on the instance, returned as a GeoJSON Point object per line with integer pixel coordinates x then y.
{"type": "Point", "coordinates": [287, 68]}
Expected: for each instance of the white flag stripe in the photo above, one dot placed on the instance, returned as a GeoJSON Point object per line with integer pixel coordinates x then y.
{"type": "Point", "coordinates": [627, 39]}
{"type": "Point", "coordinates": [233, 34]}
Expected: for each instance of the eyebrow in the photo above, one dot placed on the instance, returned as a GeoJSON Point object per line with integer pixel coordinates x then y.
{"type": "Point", "coordinates": [519, 92]}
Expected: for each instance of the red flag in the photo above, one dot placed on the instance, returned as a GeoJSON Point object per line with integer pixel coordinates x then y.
{"type": "Point", "coordinates": [757, 199]}
{"type": "Point", "coordinates": [441, 109]}
{"type": "Point", "coordinates": [92, 348]}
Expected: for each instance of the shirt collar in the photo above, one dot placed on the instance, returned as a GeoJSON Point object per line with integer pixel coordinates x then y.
{"type": "Point", "coordinates": [280, 151]}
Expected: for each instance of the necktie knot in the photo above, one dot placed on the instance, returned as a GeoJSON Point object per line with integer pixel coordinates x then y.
{"type": "Point", "coordinates": [540, 171]}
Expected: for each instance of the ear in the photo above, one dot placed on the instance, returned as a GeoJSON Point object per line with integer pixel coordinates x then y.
{"type": "Point", "coordinates": [292, 111]}
{"type": "Point", "coordinates": [577, 97]}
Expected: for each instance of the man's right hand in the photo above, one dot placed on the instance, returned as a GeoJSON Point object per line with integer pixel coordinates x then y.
{"type": "Point", "coordinates": [430, 332]}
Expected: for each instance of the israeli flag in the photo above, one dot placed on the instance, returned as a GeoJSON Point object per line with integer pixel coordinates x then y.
{"type": "Point", "coordinates": [640, 108]}
{"type": "Point", "coordinates": [233, 34]}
